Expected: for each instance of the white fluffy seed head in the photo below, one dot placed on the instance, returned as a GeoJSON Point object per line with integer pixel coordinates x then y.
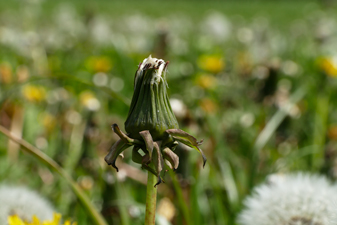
{"type": "Point", "coordinates": [294, 199]}
{"type": "Point", "coordinates": [24, 203]}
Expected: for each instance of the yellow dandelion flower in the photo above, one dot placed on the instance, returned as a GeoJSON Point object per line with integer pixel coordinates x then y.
{"type": "Point", "coordinates": [211, 63]}
{"type": "Point", "coordinates": [5, 73]}
{"type": "Point", "coordinates": [16, 220]}
{"type": "Point", "coordinates": [22, 73]}
{"type": "Point", "coordinates": [35, 221]}
{"type": "Point", "coordinates": [332, 132]}
{"type": "Point", "coordinates": [34, 93]}
{"type": "Point", "coordinates": [328, 65]}
{"type": "Point", "coordinates": [99, 64]}
{"type": "Point", "coordinates": [56, 220]}
{"type": "Point", "coordinates": [206, 81]}
{"type": "Point", "coordinates": [86, 182]}
{"type": "Point", "coordinates": [48, 121]}
{"type": "Point", "coordinates": [88, 99]}
{"type": "Point", "coordinates": [208, 105]}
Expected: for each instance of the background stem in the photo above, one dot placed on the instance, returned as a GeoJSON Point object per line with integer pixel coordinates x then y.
{"type": "Point", "coordinates": [180, 197]}
{"type": "Point", "coordinates": [320, 130]}
{"type": "Point", "coordinates": [151, 199]}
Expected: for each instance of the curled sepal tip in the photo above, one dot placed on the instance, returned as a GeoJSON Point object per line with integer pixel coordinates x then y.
{"type": "Point", "coordinates": [115, 150]}
{"type": "Point", "coordinates": [157, 161]}
{"type": "Point", "coordinates": [171, 157]}
{"type": "Point", "coordinates": [148, 141]}
{"type": "Point", "coordinates": [151, 170]}
{"type": "Point", "coordinates": [125, 138]}
{"type": "Point", "coordinates": [188, 140]}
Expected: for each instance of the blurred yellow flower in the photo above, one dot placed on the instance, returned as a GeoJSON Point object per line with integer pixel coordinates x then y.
{"type": "Point", "coordinates": [99, 64]}
{"type": "Point", "coordinates": [16, 220]}
{"type": "Point", "coordinates": [332, 132]}
{"type": "Point", "coordinates": [34, 93]}
{"type": "Point", "coordinates": [88, 99]}
{"type": "Point", "coordinates": [86, 182]}
{"type": "Point", "coordinates": [211, 63]}
{"type": "Point", "coordinates": [22, 73]}
{"type": "Point", "coordinates": [206, 81]}
{"type": "Point", "coordinates": [5, 73]}
{"type": "Point", "coordinates": [48, 121]}
{"type": "Point", "coordinates": [166, 209]}
{"type": "Point", "coordinates": [208, 105]}
{"type": "Point", "coordinates": [328, 65]}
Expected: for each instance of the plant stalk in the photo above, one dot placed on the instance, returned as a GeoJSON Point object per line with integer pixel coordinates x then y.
{"type": "Point", "coordinates": [151, 199]}
{"type": "Point", "coordinates": [320, 127]}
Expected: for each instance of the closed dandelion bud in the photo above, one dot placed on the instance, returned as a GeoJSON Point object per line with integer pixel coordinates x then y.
{"type": "Point", "coordinates": [150, 107]}
{"type": "Point", "coordinates": [151, 125]}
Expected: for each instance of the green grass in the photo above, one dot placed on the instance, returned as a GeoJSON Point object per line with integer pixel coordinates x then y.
{"type": "Point", "coordinates": [238, 110]}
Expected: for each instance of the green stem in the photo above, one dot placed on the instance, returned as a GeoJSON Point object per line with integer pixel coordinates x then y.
{"type": "Point", "coordinates": [320, 127]}
{"type": "Point", "coordinates": [37, 153]}
{"type": "Point", "coordinates": [151, 199]}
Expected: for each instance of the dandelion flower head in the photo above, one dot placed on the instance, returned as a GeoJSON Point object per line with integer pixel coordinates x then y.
{"type": "Point", "coordinates": [328, 65]}
{"type": "Point", "coordinates": [16, 220]}
{"type": "Point", "coordinates": [211, 63]}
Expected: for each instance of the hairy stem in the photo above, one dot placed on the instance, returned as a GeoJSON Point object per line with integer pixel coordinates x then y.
{"type": "Point", "coordinates": [151, 199]}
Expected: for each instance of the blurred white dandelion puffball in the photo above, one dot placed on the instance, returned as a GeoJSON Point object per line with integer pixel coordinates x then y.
{"type": "Point", "coordinates": [24, 203]}
{"type": "Point", "coordinates": [294, 199]}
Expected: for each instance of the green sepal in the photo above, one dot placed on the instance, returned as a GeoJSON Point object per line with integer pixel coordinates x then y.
{"type": "Point", "coordinates": [188, 140]}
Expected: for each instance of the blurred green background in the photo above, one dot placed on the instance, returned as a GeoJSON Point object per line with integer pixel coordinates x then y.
{"type": "Point", "coordinates": [256, 80]}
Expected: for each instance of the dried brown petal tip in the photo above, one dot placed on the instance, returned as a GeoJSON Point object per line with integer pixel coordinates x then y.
{"type": "Point", "coordinates": [148, 141]}
{"type": "Point", "coordinates": [115, 150]}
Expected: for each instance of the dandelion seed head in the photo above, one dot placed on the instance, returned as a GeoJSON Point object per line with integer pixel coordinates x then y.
{"type": "Point", "coordinates": [299, 199]}
{"type": "Point", "coordinates": [24, 203]}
